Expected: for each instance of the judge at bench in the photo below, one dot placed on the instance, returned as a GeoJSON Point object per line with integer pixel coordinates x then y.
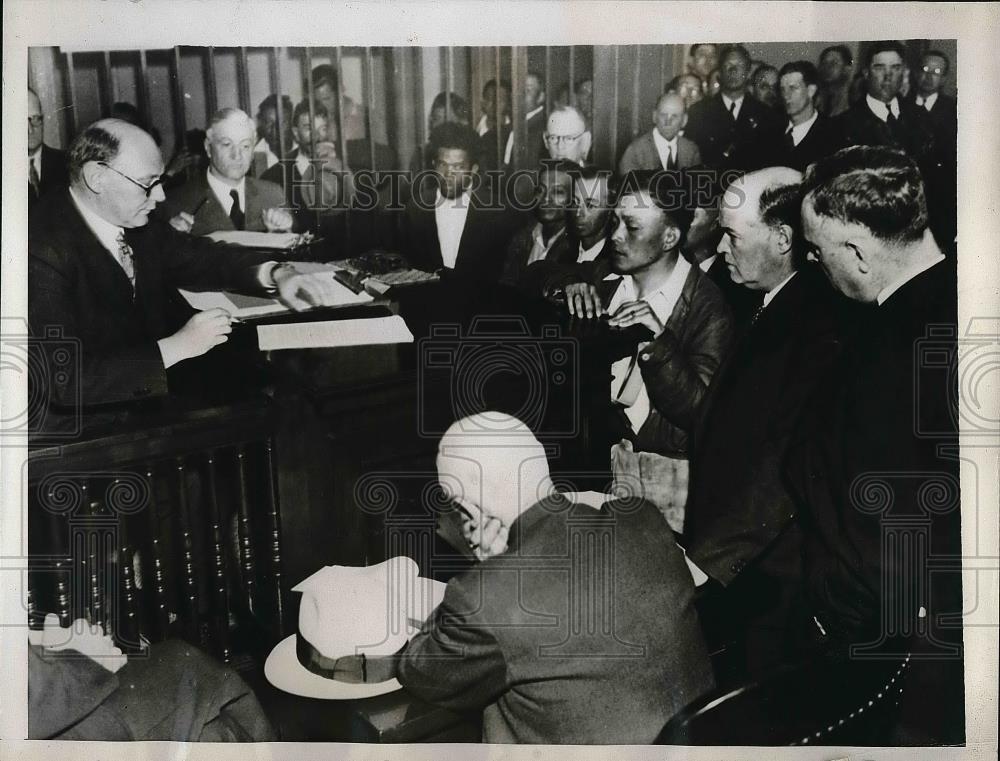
{"type": "Point", "coordinates": [514, 636]}
{"type": "Point", "coordinates": [225, 197]}
{"type": "Point", "coordinates": [101, 273]}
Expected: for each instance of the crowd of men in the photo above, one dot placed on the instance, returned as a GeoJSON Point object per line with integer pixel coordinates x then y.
{"type": "Point", "coordinates": [783, 301]}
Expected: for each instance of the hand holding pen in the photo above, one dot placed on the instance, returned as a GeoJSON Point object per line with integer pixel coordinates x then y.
{"type": "Point", "coordinates": [183, 221]}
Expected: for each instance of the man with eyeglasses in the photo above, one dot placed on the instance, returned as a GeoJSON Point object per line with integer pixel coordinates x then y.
{"type": "Point", "coordinates": [943, 112]}
{"type": "Point", "coordinates": [102, 274]}
{"type": "Point", "coordinates": [566, 135]}
{"type": "Point", "coordinates": [46, 165]}
{"type": "Point", "coordinates": [225, 197]}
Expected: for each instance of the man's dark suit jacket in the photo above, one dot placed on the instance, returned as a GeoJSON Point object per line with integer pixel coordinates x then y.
{"type": "Point", "coordinates": [726, 144]}
{"type": "Point", "coordinates": [742, 301]}
{"type": "Point", "coordinates": [77, 289]}
{"type": "Point", "coordinates": [913, 132]}
{"type": "Point", "coordinates": [516, 270]}
{"type": "Point", "coordinates": [211, 215]}
{"type": "Point", "coordinates": [55, 175]}
{"type": "Point", "coordinates": [505, 637]}
{"type": "Point", "coordinates": [821, 140]}
{"type": "Point", "coordinates": [489, 227]}
{"type": "Point", "coordinates": [488, 158]}
{"type": "Point", "coordinates": [641, 154]}
{"type": "Point", "coordinates": [944, 119]}
{"type": "Point", "coordinates": [530, 153]}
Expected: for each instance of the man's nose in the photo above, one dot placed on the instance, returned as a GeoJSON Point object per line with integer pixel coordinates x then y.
{"type": "Point", "coordinates": [158, 195]}
{"type": "Point", "coordinates": [723, 247]}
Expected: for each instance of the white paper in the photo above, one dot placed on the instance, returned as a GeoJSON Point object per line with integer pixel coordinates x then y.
{"type": "Point", "coordinates": [332, 333]}
{"type": "Point", "coordinates": [252, 239]}
{"type": "Point", "coordinates": [202, 300]}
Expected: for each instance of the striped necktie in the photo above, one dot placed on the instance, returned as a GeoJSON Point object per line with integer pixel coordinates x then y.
{"type": "Point", "coordinates": [126, 259]}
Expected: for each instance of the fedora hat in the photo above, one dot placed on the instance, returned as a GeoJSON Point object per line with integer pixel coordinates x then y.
{"type": "Point", "coordinates": [351, 621]}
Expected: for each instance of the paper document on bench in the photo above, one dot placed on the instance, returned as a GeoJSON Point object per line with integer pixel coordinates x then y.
{"type": "Point", "coordinates": [314, 335]}
{"type": "Point", "coordinates": [243, 306]}
{"type": "Point", "coordinates": [252, 239]}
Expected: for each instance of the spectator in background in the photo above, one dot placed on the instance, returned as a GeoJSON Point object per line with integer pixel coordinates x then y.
{"type": "Point", "coordinates": [437, 116]}
{"type": "Point", "coordinates": [808, 134]}
{"type": "Point", "coordinates": [836, 70]}
{"type": "Point", "coordinates": [931, 76]}
{"type": "Point", "coordinates": [272, 143]}
{"type": "Point", "coordinates": [531, 152]}
{"type": "Point", "coordinates": [495, 109]}
{"type": "Point", "coordinates": [327, 89]}
{"type": "Point", "coordinates": [732, 128]}
{"type": "Point", "coordinates": [567, 136]}
{"type": "Point", "coordinates": [713, 85]}
{"type": "Point", "coordinates": [663, 147]}
{"type": "Point", "coordinates": [46, 165]}
{"type": "Point", "coordinates": [585, 100]}
{"type": "Point", "coordinates": [688, 86]}
{"type": "Point", "coordinates": [225, 197]}
{"type": "Point", "coordinates": [764, 86]}
{"type": "Point", "coordinates": [703, 59]}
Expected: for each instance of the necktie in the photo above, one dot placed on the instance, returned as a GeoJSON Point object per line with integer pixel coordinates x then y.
{"type": "Point", "coordinates": [670, 158]}
{"type": "Point", "coordinates": [891, 119]}
{"type": "Point", "coordinates": [126, 260]}
{"type": "Point", "coordinates": [789, 140]}
{"type": "Point", "coordinates": [732, 109]}
{"type": "Point", "coordinates": [33, 176]}
{"type": "Point", "coordinates": [235, 212]}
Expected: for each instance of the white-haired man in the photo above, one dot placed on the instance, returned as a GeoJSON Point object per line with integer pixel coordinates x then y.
{"type": "Point", "coordinates": [566, 135]}
{"type": "Point", "coordinates": [225, 198]}
{"type": "Point", "coordinates": [556, 644]}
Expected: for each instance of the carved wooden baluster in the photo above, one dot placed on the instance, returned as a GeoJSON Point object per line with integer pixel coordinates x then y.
{"type": "Point", "coordinates": [79, 570]}
{"type": "Point", "coordinates": [187, 541]}
{"type": "Point", "coordinates": [274, 520]}
{"type": "Point", "coordinates": [219, 565]}
{"type": "Point", "coordinates": [161, 602]}
{"type": "Point", "coordinates": [96, 558]}
{"type": "Point", "coordinates": [128, 633]}
{"type": "Point", "coordinates": [245, 534]}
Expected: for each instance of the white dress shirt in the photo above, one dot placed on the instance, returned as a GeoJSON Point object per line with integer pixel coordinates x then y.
{"type": "Point", "coordinates": [769, 296]}
{"type": "Point", "coordinates": [221, 190]}
{"type": "Point", "coordinates": [880, 109]}
{"type": "Point", "coordinates": [906, 277]}
{"type": "Point", "coordinates": [539, 248]}
{"type": "Point", "coordinates": [449, 216]}
{"type": "Point", "coordinates": [927, 101]}
{"type": "Point", "coordinates": [726, 101]}
{"type": "Point", "coordinates": [799, 131]}
{"type": "Point", "coordinates": [706, 264]}
{"type": "Point", "coordinates": [589, 254]}
{"type": "Point", "coordinates": [662, 301]}
{"type": "Point", "coordinates": [664, 147]}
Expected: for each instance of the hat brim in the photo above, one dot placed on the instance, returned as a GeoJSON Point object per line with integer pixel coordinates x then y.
{"type": "Point", "coordinates": [283, 670]}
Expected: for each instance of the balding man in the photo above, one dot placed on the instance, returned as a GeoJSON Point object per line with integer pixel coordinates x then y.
{"type": "Point", "coordinates": [101, 274]}
{"type": "Point", "coordinates": [225, 197]}
{"type": "Point", "coordinates": [46, 165]}
{"type": "Point", "coordinates": [740, 525]}
{"type": "Point", "coordinates": [516, 636]}
{"type": "Point", "coordinates": [663, 147]}
{"type": "Point", "coordinates": [566, 135]}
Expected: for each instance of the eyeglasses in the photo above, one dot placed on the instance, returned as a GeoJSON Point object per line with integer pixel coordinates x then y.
{"type": "Point", "coordinates": [148, 189]}
{"type": "Point", "coordinates": [932, 70]}
{"type": "Point", "coordinates": [562, 139]}
{"type": "Point", "coordinates": [36, 120]}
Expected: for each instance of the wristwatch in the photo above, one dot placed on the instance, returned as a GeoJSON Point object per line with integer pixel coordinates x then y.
{"type": "Point", "coordinates": [270, 284]}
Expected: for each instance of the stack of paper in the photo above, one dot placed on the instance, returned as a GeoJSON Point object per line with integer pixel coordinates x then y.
{"type": "Point", "coordinates": [333, 333]}
{"type": "Point", "coordinates": [250, 239]}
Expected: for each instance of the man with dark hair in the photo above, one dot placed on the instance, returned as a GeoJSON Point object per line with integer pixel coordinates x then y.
{"type": "Point", "coordinates": [740, 521]}
{"type": "Point", "coordinates": [663, 147]}
{"type": "Point", "coordinates": [934, 68]}
{"type": "Point", "coordinates": [689, 86]}
{"type": "Point", "coordinates": [764, 85]}
{"type": "Point", "coordinates": [438, 115]}
{"type": "Point", "coordinates": [273, 142]}
{"type": "Point", "coordinates": [885, 420]}
{"type": "Point", "coordinates": [225, 197]}
{"type": "Point", "coordinates": [732, 128]}
{"type": "Point", "coordinates": [534, 124]}
{"type": "Point", "coordinates": [809, 135]}
{"type": "Point", "coordinates": [313, 183]}
{"type": "Point", "coordinates": [46, 165]}
{"type": "Point", "coordinates": [327, 90]}
{"type": "Point", "coordinates": [836, 70]}
{"type": "Point", "coordinates": [101, 272]}
{"type": "Point", "coordinates": [703, 59]}
{"type": "Point", "coordinates": [454, 222]}
{"type": "Point", "coordinates": [544, 239]}
{"type": "Point", "coordinates": [495, 119]}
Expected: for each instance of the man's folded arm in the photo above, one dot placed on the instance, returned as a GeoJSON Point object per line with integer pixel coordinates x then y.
{"type": "Point", "coordinates": [201, 263]}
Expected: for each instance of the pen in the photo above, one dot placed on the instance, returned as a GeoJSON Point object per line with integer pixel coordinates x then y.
{"type": "Point", "coordinates": [198, 207]}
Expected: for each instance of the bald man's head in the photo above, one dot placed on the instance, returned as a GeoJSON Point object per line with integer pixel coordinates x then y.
{"type": "Point", "coordinates": [670, 115]}
{"type": "Point", "coordinates": [492, 462]}
{"type": "Point", "coordinates": [112, 164]}
{"type": "Point", "coordinates": [759, 215]}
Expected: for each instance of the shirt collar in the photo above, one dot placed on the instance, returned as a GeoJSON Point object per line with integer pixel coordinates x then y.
{"type": "Point", "coordinates": [533, 111]}
{"type": "Point", "coordinates": [105, 232]}
{"type": "Point", "coordinates": [222, 190]}
{"type": "Point", "coordinates": [880, 109]}
{"type": "Point", "coordinates": [706, 264]}
{"type": "Point", "coordinates": [536, 235]}
{"type": "Point", "coordinates": [769, 296]}
{"type": "Point", "coordinates": [302, 162]}
{"type": "Point", "coordinates": [927, 101]}
{"type": "Point", "coordinates": [800, 130]}
{"type": "Point", "coordinates": [662, 299]}
{"type": "Point", "coordinates": [726, 100]}
{"type": "Point", "coordinates": [662, 142]}
{"type": "Point", "coordinates": [906, 277]}
{"type": "Point", "coordinates": [589, 254]}
{"type": "Point", "coordinates": [460, 202]}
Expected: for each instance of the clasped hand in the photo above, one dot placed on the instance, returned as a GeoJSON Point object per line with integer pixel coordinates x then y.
{"type": "Point", "coordinates": [486, 535]}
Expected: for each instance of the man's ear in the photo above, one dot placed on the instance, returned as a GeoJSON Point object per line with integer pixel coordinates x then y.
{"type": "Point", "coordinates": [671, 237]}
{"type": "Point", "coordinates": [585, 139]}
{"type": "Point", "coordinates": [862, 257]}
{"type": "Point", "coordinates": [785, 238]}
{"type": "Point", "coordinates": [93, 176]}
{"type": "Point", "coordinates": [812, 90]}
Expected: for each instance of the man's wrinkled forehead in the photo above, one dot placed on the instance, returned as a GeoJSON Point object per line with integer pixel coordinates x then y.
{"type": "Point", "coordinates": [234, 127]}
{"type": "Point", "coordinates": [565, 123]}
